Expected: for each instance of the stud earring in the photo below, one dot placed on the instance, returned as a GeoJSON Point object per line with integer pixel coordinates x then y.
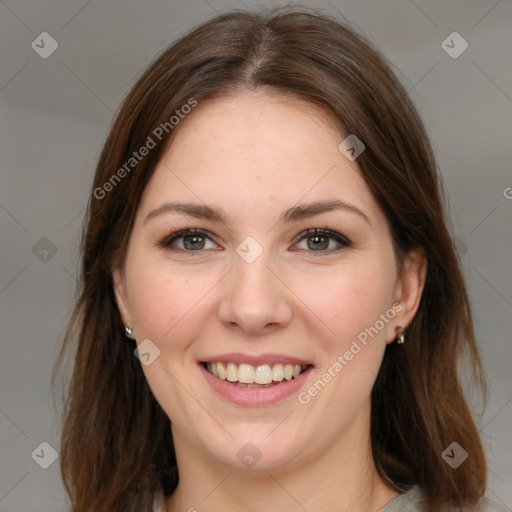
{"type": "Point", "coordinates": [400, 336]}
{"type": "Point", "coordinates": [128, 330]}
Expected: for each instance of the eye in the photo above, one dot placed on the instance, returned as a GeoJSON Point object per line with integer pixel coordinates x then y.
{"type": "Point", "coordinates": [318, 240]}
{"type": "Point", "coordinates": [193, 240]}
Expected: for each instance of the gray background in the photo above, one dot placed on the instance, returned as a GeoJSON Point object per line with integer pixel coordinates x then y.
{"type": "Point", "coordinates": [55, 114]}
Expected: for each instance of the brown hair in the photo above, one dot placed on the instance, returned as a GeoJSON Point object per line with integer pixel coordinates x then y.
{"type": "Point", "coordinates": [116, 446]}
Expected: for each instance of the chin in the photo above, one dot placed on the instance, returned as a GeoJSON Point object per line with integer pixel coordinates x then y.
{"type": "Point", "coordinates": [255, 450]}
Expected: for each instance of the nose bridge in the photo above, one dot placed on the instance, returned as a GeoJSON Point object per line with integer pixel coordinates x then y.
{"type": "Point", "coordinates": [251, 266]}
{"type": "Point", "coordinates": [254, 297]}
{"type": "Point", "coordinates": [251, 272]}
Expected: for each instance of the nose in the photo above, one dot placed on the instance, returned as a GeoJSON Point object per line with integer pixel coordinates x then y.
{"type": "Point", "coordinates": [255, 299]}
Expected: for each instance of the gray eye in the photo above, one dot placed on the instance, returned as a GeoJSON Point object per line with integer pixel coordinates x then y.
{"type": "Point", "coordinates": [316, 242]}
{"type": "Point", "coordinates": [193, 241]}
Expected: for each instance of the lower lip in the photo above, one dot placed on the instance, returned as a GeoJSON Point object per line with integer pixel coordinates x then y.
{"type": "Point", "coordinates": [255, 396]}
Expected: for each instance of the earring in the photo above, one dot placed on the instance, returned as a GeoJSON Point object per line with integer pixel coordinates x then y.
{"type": "Point", "coordinates": [128, 330]}
{"type": "Point", "coordinates": [400, 336]}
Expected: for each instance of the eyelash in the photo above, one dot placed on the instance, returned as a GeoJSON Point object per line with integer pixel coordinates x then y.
{"type": "Point", "coordinates": [340, 239]}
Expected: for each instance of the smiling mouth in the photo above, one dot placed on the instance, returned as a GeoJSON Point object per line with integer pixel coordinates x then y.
{"type": "Point", "coordinates": [249, 376]}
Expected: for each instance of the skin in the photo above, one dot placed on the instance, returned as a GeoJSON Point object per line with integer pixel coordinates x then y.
{"type": "Point", "coordinates": [254, 155]}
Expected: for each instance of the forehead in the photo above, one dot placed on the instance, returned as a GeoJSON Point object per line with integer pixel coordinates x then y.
{"type": "Point", "coordinates": [255, 125]}
{"type": "Point", "coordinates": [244, 149]}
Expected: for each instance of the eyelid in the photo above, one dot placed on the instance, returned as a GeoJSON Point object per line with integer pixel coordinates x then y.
{"type": "Point", "coordinates": [166, 241]}
{"type": "Point", "coordinates": [338, 237]}
{"type": "Point", "coordinates": [342, 240]}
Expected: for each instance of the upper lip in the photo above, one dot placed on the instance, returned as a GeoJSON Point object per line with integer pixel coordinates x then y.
{"type": "Point", "coordinates": [255, 360]}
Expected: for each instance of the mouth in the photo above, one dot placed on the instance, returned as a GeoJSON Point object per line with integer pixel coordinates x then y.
{"type": "Point", "coordinates": [245, 375]}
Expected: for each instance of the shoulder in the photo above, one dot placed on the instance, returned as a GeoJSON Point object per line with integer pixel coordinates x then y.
{"type": "Point", "coordinates": [159, 502]}
{"type": "Point", "coordinates": [487, 505]}
{"type": "Point", "coordinates": [414, 501]}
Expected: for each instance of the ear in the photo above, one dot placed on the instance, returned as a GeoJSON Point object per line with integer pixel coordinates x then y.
{"type": "Point", "coordinates": [120, 296]}
{"type": "Point", "coordinates": [408, 290]}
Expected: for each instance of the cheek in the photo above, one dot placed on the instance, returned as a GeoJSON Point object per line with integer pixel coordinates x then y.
{"type": "Point", "coordinates": [347, 300]}
{"type": "Point", "coordinates": [168, 307]}
{"type": "Point", "coordinates": [352, 345]}
{"type": "Point", "coordinates": [165, 304]}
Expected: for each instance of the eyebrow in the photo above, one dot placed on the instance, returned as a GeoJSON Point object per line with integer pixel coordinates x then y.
{"type": "Point", "coordinates": [293, 214]}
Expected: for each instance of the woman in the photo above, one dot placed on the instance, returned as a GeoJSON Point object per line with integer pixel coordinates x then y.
{"type": "Point", "coordinates": [272, 309]}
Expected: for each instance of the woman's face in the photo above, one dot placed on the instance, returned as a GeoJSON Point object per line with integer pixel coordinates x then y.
{"type": "Point", "coordinates": [255, 291]}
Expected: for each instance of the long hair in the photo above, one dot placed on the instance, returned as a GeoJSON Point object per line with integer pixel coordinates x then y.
{"type": "Point", "coordinates": [116, 444]}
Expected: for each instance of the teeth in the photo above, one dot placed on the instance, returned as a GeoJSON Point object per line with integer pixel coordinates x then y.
{"type": "Point", "coordinates": [278, 372]}
{"type": "Point", "coordinates": [231, 372]}
{"type": "Point", "coordinates": [263, 374]}
{"type": "Point", "coordinates": [220, 370]}
{"type": "Point", "coordinates": [253, 376]}
{"type": "Point", "coordinates": [245, 374]}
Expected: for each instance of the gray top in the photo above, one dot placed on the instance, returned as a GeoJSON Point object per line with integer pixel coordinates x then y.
{"type": "Point", "coordinates": [159, 502]}
{"type": "Point", "coordinates": [411, 501]}
{"type": "Point", "coordinates": [414, 501]}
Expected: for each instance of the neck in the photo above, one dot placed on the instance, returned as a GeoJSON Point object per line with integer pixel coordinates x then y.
{"type": "Point", "coordinates": [342, 478]}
